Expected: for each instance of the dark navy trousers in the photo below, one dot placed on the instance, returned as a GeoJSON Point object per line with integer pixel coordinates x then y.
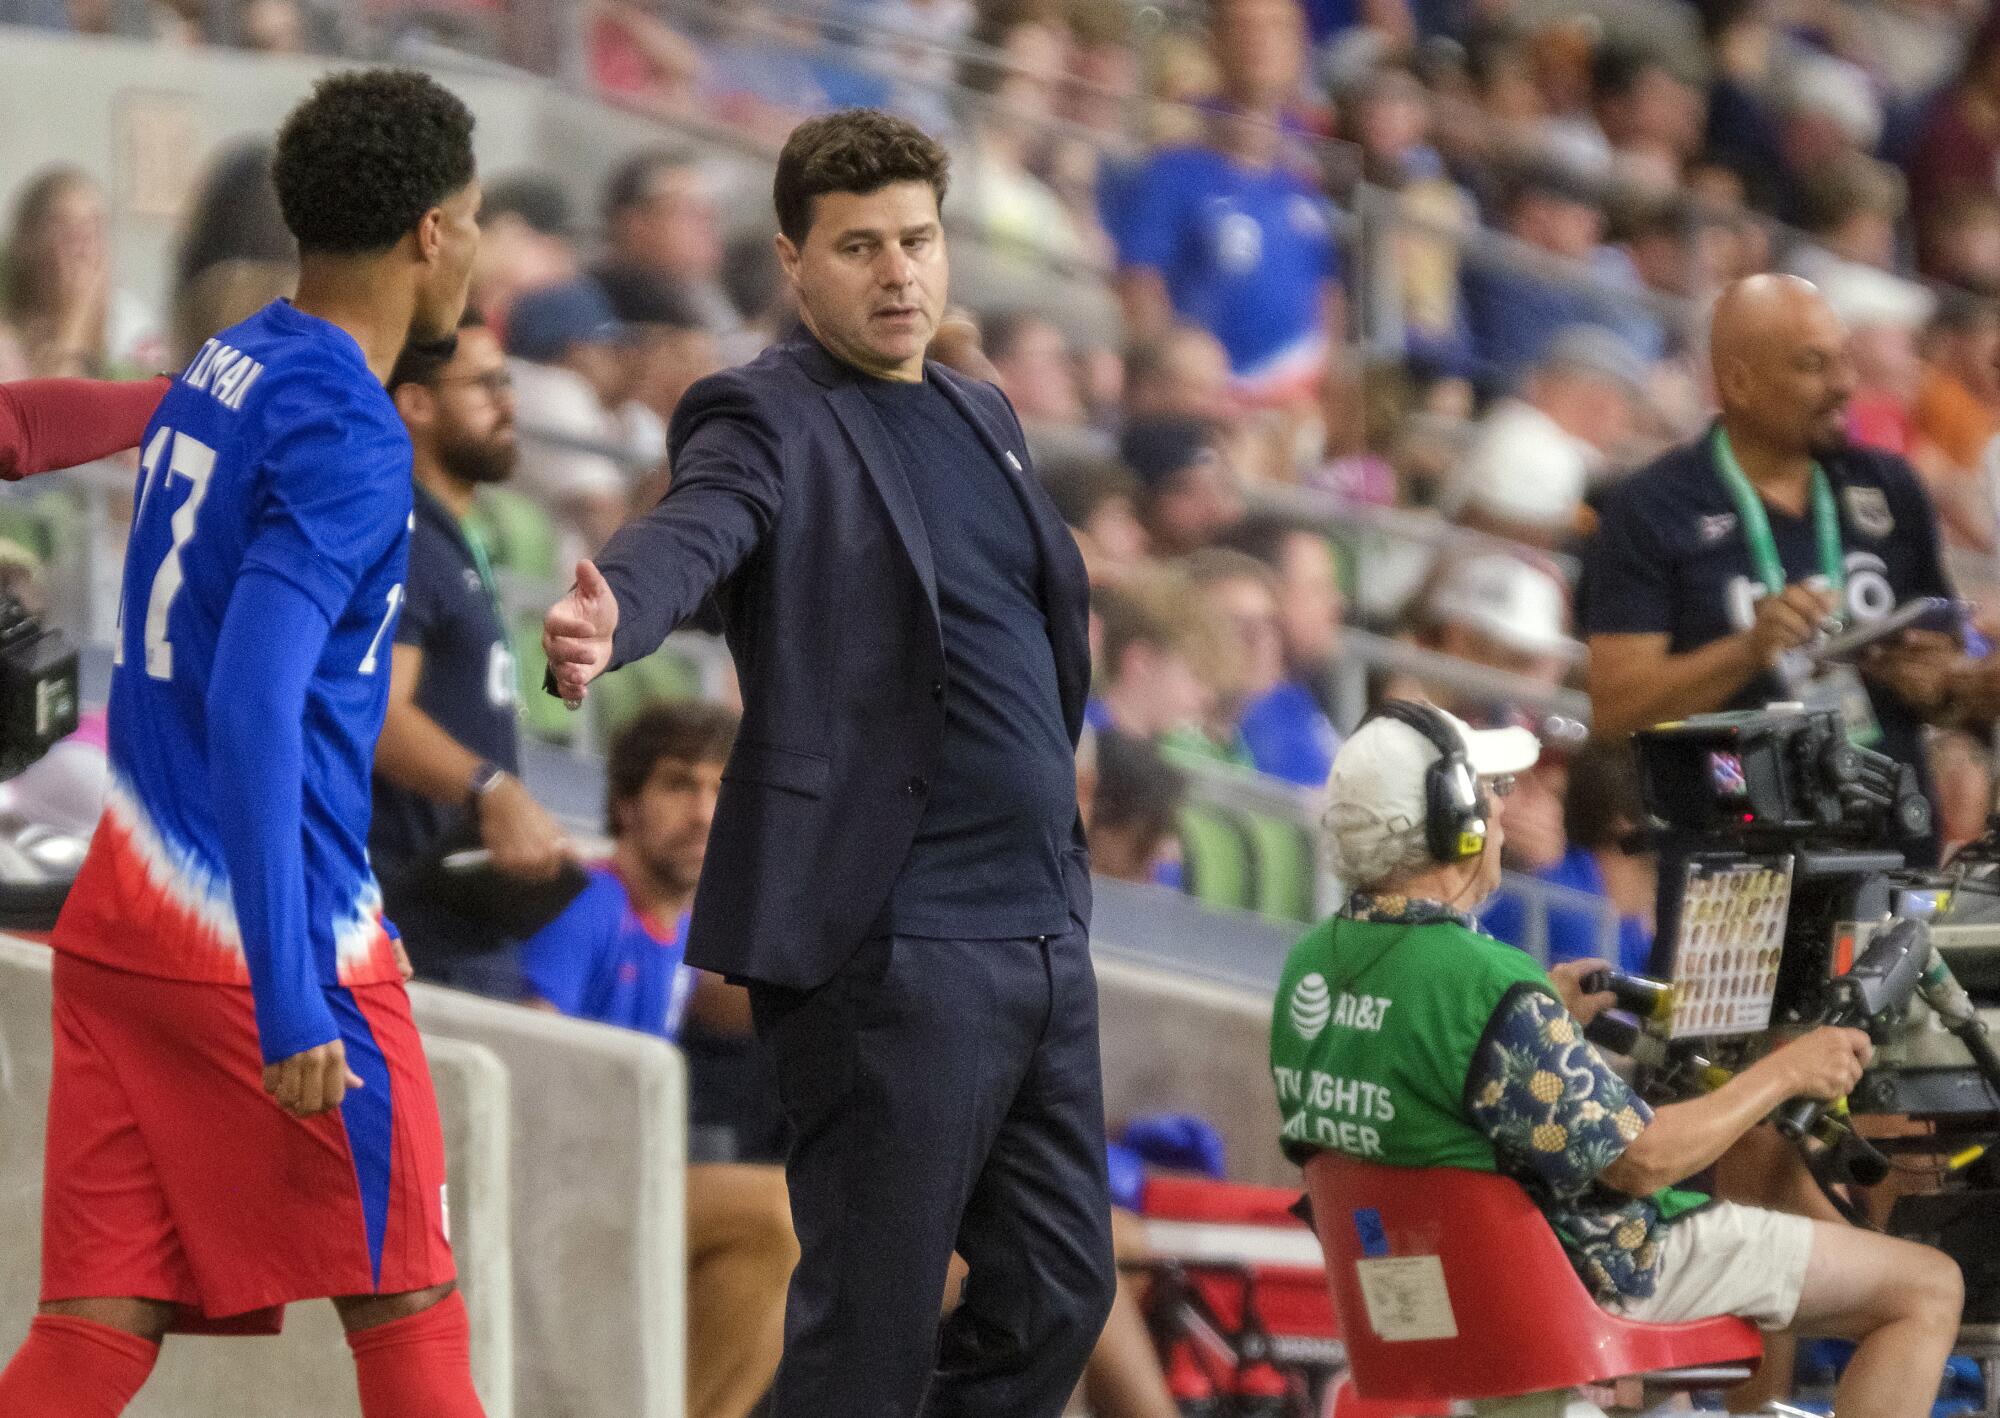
{"type": "Point", "coordinates": [944, 1095]}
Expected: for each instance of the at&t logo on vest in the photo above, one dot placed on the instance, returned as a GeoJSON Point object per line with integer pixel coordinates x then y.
{"type": "Point", "coordinates": [1312, 1006]}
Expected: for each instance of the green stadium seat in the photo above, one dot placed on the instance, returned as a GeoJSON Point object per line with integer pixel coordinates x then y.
{"type": "Point", "coordinates": [620, 695]}
{"type": "Point", "coordinates": [1216, 861]}
{"type": "Point", "coordinates": [1284, 866]}
{"type": "Point", "coordinates": [519, 533]}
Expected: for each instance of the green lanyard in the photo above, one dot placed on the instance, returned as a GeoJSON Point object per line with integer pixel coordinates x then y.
{"type": "Point", "coordinates": [476, 544]}
{"type": "Point", "coordinates": [1757, 525]}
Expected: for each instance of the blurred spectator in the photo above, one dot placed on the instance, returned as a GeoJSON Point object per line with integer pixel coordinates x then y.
{"type": "Point", "coordinates": [660, 214]}
{"type": "Point", "coordinates": [1036, 371]}
{"type": "Point", "coordinates": [755, 284]}
{"type": "Point", "coordinates": [1158, 667]}
{"type": "Point", "coordinates": [1850, 208]}
{"type": "Point", "coordinates": [232, 218]}
{"type": "Point", "coordinates": [1134, 812]}
{"type": "Point", "coordinates": [1516, 311]}
{"type": "Point", "coordinates": [1009, 100]}
{"type": "Point", "coordinates": [1830, 116]}
{"type": "Point", "coordinates": [573, 381]}
{"type": "Point", "coordinates": [1351, 465]}
{"type": "Point", "coordinates": [274, 27]}
{"type": "Point", "coordinates": [1239, 594]}
{"type": "Point", "coordinates": [1499, 612]}
{"type": "Point", "coordinates": [1227, 236]}
{"type": "Point", "coordinates": [1188, 491]}
{"type": "Point", "coordinates": [1601, 809]}
{"type": "Point", "coordinates": [1389, 116]}
{"type": "Point", "coordinates": [1962, 769]}
{"type": "Point", "coordinates": [225, 293]}
{"type": "Point", "coordinates": [666, 345]}
{"type": "Point", "coordinates": [638, 57]}
{"type": "Point", "coordinates": [526, 242]}
{"type": "Point", "coordinates": [1960, 241]}
{"type": "Point", "coordinates": [1743, 129]}
{"type": "Point", "coordinates": [614, 956]}
{"type": "Point", "coordinates": [1099, 499]}
{"type": "Point", "coordinates": [1958, 146]}
{"type": "Point", "coordinates": [1649, 116]}
{"type": "Point", "coordinates": [1183, 372]}
{"type": "Point", "coordinates": [1534, 456]}
{"type": "Point", "coordinates": [59, 296]}
{"type": "Point", "coordinates": [1287, 728]}
{"type": "Point", "coordinates": [1957, 414]}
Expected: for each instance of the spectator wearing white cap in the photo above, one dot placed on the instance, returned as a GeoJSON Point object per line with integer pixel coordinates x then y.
{"type": "Point", "coordinates": [1535, 454]}
{"type": "Point", "coordinates": [1502, 612]}
{"type": "Point", "coordinates": [1402, 1035]}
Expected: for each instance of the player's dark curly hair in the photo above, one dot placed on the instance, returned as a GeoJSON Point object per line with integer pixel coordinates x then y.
{"type": "Point", "coordinates": [859, 150]}
{"type": "Point", "coordinates": [360, 162]}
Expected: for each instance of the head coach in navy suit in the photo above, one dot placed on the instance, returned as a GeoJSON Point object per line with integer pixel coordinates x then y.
{"type": "Point", "coordinates": [897, 868]}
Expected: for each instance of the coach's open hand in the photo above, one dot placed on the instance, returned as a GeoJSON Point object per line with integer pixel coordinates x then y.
{"type": "Point", "coordinates": [312, 1082]}
{"type": "Point", "coordinates": [576, 635]}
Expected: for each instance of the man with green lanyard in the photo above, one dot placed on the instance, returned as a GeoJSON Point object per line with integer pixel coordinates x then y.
{"type": "Point", "coordinates": [446, 762]}
{"type": "Point", "coordinates": [1401, 1035]}
{"type": "Point", "coordinates": [1713, 569]}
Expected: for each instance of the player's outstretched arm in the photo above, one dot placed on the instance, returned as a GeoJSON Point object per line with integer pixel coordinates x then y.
{"type": "Point", "coordinates": [47, 424]}
{"type": "Point", "coordinates": [272, 637]}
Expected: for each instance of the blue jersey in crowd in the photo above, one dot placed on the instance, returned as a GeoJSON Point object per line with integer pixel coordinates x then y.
{"type": "Point", "coordinates": [1572, 934]}
{"type": "Point", "coordinates": [273, 493]}
{"type": "Point", "coordinates": [1244, 251]}
{"type": "Point", "coordinates": [602, 959]}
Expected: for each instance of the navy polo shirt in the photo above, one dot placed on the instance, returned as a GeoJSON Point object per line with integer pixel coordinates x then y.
{"type": "Point", "coordinates": [468, 688]}
{"type": "Point", "coordinates": [1669, 558]}
{"type": "Point", "coordinates": [986, 863]}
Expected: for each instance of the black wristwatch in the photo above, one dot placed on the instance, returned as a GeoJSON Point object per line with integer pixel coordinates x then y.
{"type": "Point", "coordinates": [485, 778]}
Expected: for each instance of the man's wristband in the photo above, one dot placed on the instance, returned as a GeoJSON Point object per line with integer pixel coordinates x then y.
{"type": "Point", "coordinates": [485, 778]}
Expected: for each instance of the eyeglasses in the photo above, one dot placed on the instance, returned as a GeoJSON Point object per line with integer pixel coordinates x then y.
{"type": "Point", "coordinates": [1500, 784]}
{"type": "Point", "coordinates": [495, 382]}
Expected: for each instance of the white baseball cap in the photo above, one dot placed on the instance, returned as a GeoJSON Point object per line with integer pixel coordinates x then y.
{"type": "Point", "coordinates": [1514, 602]}
{"type": "Point", "coordinates": [1375, 792]}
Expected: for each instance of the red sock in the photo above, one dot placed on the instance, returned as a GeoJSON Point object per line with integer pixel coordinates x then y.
{"type": "Point", "coordinates": [75, 1368]}
{"type": "Point", "coordinates": [419, 1367]}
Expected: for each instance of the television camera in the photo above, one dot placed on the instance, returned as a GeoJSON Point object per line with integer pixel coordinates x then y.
{"type": "Point", "coordinates": [1786, 901]}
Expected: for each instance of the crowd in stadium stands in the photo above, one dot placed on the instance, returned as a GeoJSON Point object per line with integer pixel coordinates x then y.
{"type": "Point", "coordinates": [1551, 201]}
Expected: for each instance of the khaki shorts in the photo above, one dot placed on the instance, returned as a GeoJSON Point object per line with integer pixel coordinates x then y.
{"type": "Point", "coordinates": [1729, 1260]}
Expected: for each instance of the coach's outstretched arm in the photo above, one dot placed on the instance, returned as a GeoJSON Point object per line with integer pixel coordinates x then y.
{"type": "Point", "coordinates": [272, 637]}
{"type": "Point", "coordinates": [727, 488]}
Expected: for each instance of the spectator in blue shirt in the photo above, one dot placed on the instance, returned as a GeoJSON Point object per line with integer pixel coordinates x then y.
{"type": "Point", "coordinates": [1287, 727]}
{"type": "Point", "coordinates": [1225, 234]}
{"type": "Point", "coordinates": [615, 956]}
{"type": "Point", "coordinates": [1601, 808]}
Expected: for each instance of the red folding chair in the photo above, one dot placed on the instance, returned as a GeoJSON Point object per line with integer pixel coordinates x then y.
{"type": "Point", "coordinates": [1449, 1284]}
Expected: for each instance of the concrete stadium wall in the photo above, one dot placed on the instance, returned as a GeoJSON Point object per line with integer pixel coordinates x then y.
{"type": "Point", "coordinates": [305, 1373]}
{"type": "Point", "coordinates": [599, 1229]}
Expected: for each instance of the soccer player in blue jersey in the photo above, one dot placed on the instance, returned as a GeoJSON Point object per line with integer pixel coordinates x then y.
{"type": "Point", "coordinates": [241, 1115]}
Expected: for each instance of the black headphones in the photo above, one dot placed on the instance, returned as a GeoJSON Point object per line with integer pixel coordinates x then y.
{"type": "Point", "coordinates": [1455, 805]}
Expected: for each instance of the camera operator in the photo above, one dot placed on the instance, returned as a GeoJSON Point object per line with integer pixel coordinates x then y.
{"type": "Point", "coordinates": [1403, 1036]}
{"type": "Point", "coordinates": [1711, 567]}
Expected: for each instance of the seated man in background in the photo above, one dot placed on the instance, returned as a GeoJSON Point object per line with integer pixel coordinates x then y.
{"type": "Point", "coordinates": [1403, 1036]}
{"type": "Point", "coordinates": [1134, 812]}
{"type": "Point", "coordinates": [1601, 808]}
{"type": "Point", "coordinates": [615, 956]}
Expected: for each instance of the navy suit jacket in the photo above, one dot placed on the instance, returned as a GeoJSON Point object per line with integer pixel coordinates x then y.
{"type": "Point", "coordinates": [790, 506]}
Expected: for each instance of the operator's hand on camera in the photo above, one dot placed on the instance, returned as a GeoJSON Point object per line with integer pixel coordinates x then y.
{"type": "Point", "coordinates": [1920, 666]}
{"type": "Point", "coordinates": [1788, 620]}
{"type": "Point", "coordinates": [1827, 1063]}
{"type": "Point", "coordinates": [1568, 979]}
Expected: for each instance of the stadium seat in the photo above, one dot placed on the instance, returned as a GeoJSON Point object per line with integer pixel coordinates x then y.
{"type": "Point", "coordinates": [519, 534]}
{"type": "Point", "coordinates": [624, 692]}
{"type": "Point", "coordinates": [1216, 857]}
{"type": "Point", "coordinates": [1477, 1294]}
{"type": "Point", "coordinates": [1283, 860]}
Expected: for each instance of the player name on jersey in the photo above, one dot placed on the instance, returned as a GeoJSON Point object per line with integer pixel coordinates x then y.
{"type": "Point", "coordinates": [224, 372]}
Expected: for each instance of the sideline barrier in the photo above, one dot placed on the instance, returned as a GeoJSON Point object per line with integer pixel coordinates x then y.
{"type": "Point", "coordinates": [306, 1372]}
{"type": "Point", "coordinates": [599, 1208]}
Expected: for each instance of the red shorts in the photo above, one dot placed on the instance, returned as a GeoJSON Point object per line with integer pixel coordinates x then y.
{"type": "Point", "coordinates": [172, 1176]}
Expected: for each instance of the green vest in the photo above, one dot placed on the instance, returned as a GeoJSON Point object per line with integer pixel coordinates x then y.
{"type": "Point", "coordinates": [1373, 1035]}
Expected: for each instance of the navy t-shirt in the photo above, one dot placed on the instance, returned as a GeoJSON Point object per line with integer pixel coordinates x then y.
{"type": "Point", "coordinates": [986, 863]}
{"type": "Point", "coordinates": [469, 690]}
{"type": "Point", "coordinates": [1669, 558]}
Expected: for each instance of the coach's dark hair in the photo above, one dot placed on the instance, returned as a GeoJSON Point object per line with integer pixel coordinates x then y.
{"type": "Point", "coordinates": [858, 150]}
{"type": "Point", "coordinates": [360, 162]}
{"type": "Point", "coordinates": [687, 730]}
{"type": "Point", "coordinates": [422, 363]}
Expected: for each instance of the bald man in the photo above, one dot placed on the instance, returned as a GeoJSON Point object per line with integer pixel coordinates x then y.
{"type": "Point", "coordinates": [1713, 567]}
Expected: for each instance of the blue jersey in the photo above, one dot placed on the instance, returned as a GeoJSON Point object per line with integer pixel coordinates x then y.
{"type": "Point", "coordinates": [276, 451]}
{"type": "Point", "coordinates": [1244, 252]}
{"type": "Point", "coordinates": [601, 959]}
